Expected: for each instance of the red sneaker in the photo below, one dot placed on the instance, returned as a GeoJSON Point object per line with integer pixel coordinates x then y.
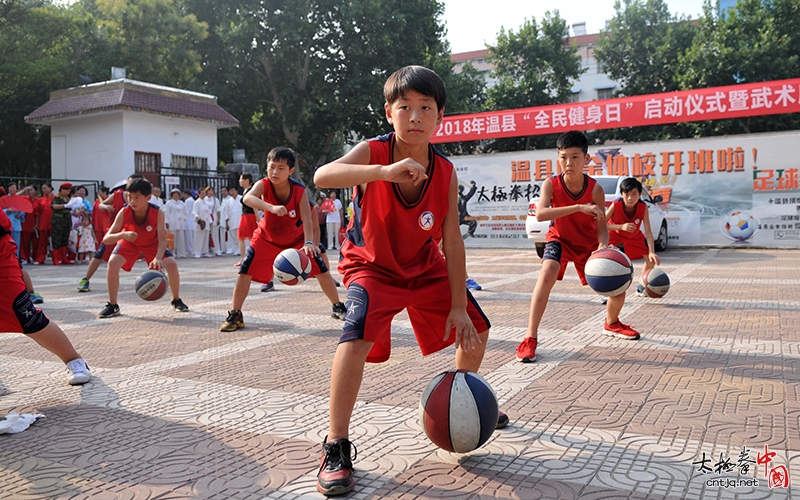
{"type": "Point", "coordinates": [620, 330]}
{"type": "Point", "coordinates": [335, 476]}
{"type": "Point", "coordinates": [526, 351]}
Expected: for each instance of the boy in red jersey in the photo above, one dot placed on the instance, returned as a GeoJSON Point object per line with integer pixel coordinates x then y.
{"type": "Point", "coordinates": [405, 197]}
{"type": "Point", "coordinates": [625, 218]}
{"type": "Point", "coordinates": [139, 231]}
{"type": "Point", "coordinates": [286, 224]}
{"type": "Point", "coordinates": [110, 206]}
{"type": "Point", "coordinates": [19, 315]}
{"type": "Point", "coordinates": [574, 202]}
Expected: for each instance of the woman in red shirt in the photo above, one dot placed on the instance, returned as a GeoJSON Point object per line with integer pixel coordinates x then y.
{"type": "Point", "coordinates": [44, 213]}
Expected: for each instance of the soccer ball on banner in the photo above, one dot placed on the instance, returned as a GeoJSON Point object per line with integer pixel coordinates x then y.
{"type": "Point", "coordinates": [740, 226]}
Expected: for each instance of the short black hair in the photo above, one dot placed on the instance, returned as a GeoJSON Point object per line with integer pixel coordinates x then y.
{"type": "Point", "coordinates": [573, 139]}
{"type": "Point", "coordinates": [102, 189]}
{"type": "Point", "coordinates": [630, 184]}
{"type": "Point", "coordinates": [141, 186]}
{"type": "Point", "coordinates": [248, 176]}
{"type": "Point", "coordinates": [419, 79]}
{"type": "Point", "coordinates": [282, 153]}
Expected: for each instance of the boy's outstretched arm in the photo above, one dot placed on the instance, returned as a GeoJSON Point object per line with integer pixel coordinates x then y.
{"type": "Point", "coordinates": [599, 199]}
{"type": "Point", "coordinates": [353, 169]}
{"type": "Point", "coordinates": [455, 256]}
{"type": "Point", "coordinates": [648, 236]}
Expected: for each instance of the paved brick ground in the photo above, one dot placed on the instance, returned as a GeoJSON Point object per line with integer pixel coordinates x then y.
{"type": "Point", "coordinates": [179, 410]}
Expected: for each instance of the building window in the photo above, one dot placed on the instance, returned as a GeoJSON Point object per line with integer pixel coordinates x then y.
{"type": "Point", "coordinates": [148, 164]}
{"type": "Point", "coordinates": [575, 97]}
{"type": "Point", "coordinates": [605, 93]}
{"type": "Point", "coordinates": [189, 162]}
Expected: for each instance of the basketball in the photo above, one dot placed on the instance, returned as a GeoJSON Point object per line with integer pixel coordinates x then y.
{"type": "Point", "coordinates": [292, 267]}
{"type": "Point", "coordinates": [458, 411]}
{"type": "Point", "coordinates": [609, 272]}
{"type": "Point", "coordinates": [151, 285]}
{"type": "Point", "coordinates": [656, 283]}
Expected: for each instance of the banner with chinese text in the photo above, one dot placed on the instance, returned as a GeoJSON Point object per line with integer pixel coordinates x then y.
{"type": "Point", "coordinates": [739, 190]}
{"type": "Point", "coordinates": [715, 103]}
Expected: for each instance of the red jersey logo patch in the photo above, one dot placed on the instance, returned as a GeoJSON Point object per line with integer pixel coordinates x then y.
{"type": "Point", "coordinates": [426, 221]}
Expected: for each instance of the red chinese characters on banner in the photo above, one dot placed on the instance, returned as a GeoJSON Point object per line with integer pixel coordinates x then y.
{"type": "Point", "coordinates": [716, 103]}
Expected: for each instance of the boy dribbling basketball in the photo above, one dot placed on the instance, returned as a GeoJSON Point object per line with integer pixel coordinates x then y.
{"type": "Point", "coordinates": [286, 224]}
{"type": "Point", "coordinates": [574, 202]}
{"type": "Point", "coordinates": [139, 231]}
{"type": "Point", "coordinates": [405, 196]}
{"type": "Point", "coordinates": [625, 218]}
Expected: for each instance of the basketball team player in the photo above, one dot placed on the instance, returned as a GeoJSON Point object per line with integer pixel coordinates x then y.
{"type": "Point", "coordinates": [627, 217]}
{"type": "Point", "coordinates": [286, 224]}
{"type": "Point", "coordinates": [113, 203]}
{"type": "Point", "coordinates": [139, 231]}
{"type": "Point", "coordinates": [574, 202]}
{"type": "Point", "coordinates": [405, 194]}
{"type": "Point", "coordinates": [19, 315]}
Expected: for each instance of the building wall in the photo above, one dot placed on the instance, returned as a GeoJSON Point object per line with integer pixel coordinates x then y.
{"type": "Point", "coordinates": [102, 146]}
{"type": "Point", "coordinates": [88, 148]}
{"type": "Point", "coordinates": [168, 136]}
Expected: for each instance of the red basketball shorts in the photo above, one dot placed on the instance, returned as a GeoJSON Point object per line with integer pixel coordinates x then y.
{"type": "Point", "coordinates": [372, 304]}
{"type": "Point", "coordinates": [260, 257]}
{"type": "Point", "coordinates": [132, 253]}
{"type": "Point", "coordinates": [17, 312]}
{"type": "Point", "coordinates": [564, 254]}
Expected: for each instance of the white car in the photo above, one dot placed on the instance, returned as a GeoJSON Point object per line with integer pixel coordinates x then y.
{"type": "Point", "coordinates": [537, 231]}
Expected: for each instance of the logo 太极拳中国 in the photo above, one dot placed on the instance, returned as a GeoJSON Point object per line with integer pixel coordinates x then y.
{"type": "Point", "coordinates": [149, 228]}
{"type": "Point", "coordinates": [426, 221]}
{"type": "Point", "coordinates": [292, 214]}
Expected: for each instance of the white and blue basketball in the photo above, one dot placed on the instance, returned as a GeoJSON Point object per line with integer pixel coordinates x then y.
{"type": "Point", "coordinates": [609, 272]}
{"type": "Point", "coordinates": [292, 267]}
{"type": "Point", "coordinates": [740, 226]}
{"type": "Point", "coordinates": [458, 411]}
{"type": "Point", "coordinates": [656, 283]}
{"type": "Point", "coordinates": [151, 285]}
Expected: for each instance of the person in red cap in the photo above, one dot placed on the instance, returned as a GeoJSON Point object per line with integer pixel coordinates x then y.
{"type": "Point", "coordinates": [61, 224]}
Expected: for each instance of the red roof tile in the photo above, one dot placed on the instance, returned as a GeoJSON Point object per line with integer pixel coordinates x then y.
{"type": "Point", "coordinates": [127, 96]}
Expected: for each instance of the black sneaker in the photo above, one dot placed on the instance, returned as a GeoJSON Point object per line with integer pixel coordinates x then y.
{"type": "Point", "coordinates": [234, 322]}
{"type": "Point", "coordinates": [179, 306]}
{"type": "Point", "coordinates": [110, 310]}
{"type": "Point", "coordinates": [268, 287]}
{"type": "Point", "coordinates": [502, 420]}
{"type": "Point", "coordinates": [335, 476]}
{"type": "Point", "coordinates": [339, 311]}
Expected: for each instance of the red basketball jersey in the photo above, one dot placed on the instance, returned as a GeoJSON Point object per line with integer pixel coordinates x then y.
{"type": "Point", "coordinates": [9, 264]}
{"type": "Point", "coordinates": [390, 237]}
{"type": "Point", "coordinates": [282, 231]}
{"type": "Point", "coordinates": [620, 217]}
{"type": "Point", "coordinates": [578, 230]}
{"type": "Point", "coordinates": [147, 239]}
{"type": "Point", "coordinates": [634, 241]}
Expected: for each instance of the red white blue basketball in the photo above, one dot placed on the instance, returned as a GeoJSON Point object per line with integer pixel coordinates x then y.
{"type": "Point", "coordinates": [292, 267]}
{"type": "Point", "coordinates": [458, 411]}
{"type": "Point", "coordinates": [656, 283]}
{"type": "Point", "coordinates": [151, 285]}
{"type": "Point", "coordinates": [609, 272]}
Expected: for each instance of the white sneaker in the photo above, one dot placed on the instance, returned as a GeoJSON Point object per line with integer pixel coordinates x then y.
{"type": "Point", "coordinates": [197, 256]}
{"type": "Point", "coordinates": [79, 372]}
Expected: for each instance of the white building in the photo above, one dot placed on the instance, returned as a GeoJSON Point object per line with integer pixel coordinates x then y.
{"type": "Point", "coordinates": [592, 85]}
{"type": "Point", "coordinates": [109, 130]}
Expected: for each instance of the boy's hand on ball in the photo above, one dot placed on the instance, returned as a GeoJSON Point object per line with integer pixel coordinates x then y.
{"type": "Point", "coordinates": [155, 264]}
{"type": "Point", "coordinates": [458, 322]}
{"type": "Point", "coordinates": [311, 250]}
{"type": "Point", "coordinates": [405, 170]}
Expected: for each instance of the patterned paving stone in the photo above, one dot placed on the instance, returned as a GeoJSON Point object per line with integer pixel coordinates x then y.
{"type": "Point", "coordinates": [179, 410]}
